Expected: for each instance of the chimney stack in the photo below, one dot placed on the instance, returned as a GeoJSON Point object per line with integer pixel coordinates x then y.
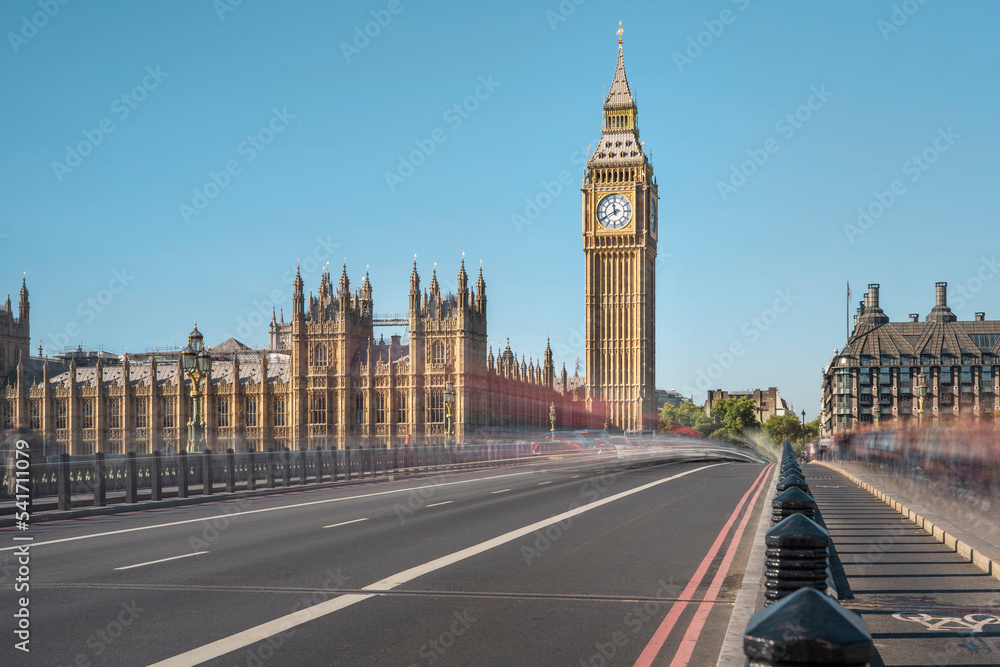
{"type": "Point", "coordinates": [941, 312]}
{"type": "Point", "coordinates": [914, 317]}
{"type": "Point", "coordinates": [980, 317]}
{"type": "Point", "coordinates": [871, 299]}
{"type": "Point", "coordinates": [940, 295]}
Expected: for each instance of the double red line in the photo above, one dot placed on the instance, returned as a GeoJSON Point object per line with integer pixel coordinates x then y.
{"type": "Point", "coordinates": [690, 639]}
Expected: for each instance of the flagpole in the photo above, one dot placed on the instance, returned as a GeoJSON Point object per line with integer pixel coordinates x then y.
{"type": "Point", "coordinates": [847, 315]}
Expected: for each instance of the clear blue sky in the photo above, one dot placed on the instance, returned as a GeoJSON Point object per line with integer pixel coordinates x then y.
{"type": "Point", "coordinates": [210, 79]}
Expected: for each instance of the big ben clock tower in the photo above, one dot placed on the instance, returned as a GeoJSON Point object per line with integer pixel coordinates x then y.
{"type": "Point", "coordinates": [619, 242]}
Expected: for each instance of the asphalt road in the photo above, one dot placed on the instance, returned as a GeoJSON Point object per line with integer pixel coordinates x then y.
{"type": "Point", "coordinates": [516, 566]}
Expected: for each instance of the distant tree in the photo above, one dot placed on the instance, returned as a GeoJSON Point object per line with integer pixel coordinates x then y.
{"type": "Point", "coordinates": [725, 435]}
{"type": "Point", "coordinates": [689, 415]}
{"type": "Point", "coordinates": [811, 430]}
{"type": "Point", "coordinates": [783, 427]}
{"type": "Point", "coordinates": [740, 414]}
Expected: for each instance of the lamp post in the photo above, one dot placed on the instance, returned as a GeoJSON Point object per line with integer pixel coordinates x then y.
{"type": "Point", "coordinates": [195, 362]}
{"type": "Point", "coordinates": [449, 400]}
{"type": "Point", "coordinates": [876, 396]}
{"type": "Point", "coordinates": [552, 416]}
{"type": "Point", "coordinates": [803, 426]}
{"type": "Point", "coordinates": [921, 395]}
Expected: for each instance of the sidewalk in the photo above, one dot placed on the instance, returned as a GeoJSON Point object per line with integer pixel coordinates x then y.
{"type": "Point", "coordinates": [924, 603]}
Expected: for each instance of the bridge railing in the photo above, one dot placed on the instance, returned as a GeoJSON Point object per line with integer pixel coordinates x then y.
{"type": "Point", "coordinates": [133, 477]}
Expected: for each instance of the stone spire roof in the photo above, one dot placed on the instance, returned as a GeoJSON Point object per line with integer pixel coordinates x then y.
{"type": "Point", "coordinates": [620, 95]}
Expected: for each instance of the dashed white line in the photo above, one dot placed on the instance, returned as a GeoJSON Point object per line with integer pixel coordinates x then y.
{"type": "Point", "coordinates": [260, 632]}
{"type": "Point", "coordinates": [444, 502]}
{"type": "Point", "coordinates": [162, 560]}
{"type": "Point", "coordinates": [500, 491]}
{"type": "Point", "coordinates": [548, 482]}
{"type": "Point", "coordinates": [344, 523]}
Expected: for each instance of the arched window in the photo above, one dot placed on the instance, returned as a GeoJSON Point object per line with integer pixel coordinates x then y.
{"type": "Point", "coordinates": [320, 355]}
{"type": "Point", "coordinates": [437, 352]}
{"type": "Point", "coordinates": [317, 413]}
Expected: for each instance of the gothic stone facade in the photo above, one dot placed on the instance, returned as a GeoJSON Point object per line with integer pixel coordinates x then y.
{"type": "Point", "coordinates": [328, 382]}
{"type": "Point", "coordinates": [882, 361]}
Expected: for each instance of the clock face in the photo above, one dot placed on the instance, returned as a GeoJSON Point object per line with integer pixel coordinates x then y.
{"type": "Point", "coordinates": [614, 211]}
{"type": "Point", "coordinates": [652, 216]}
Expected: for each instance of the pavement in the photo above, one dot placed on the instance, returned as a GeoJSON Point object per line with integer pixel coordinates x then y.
{"type": "Point", "coordinates": [517, 566]}
{"type": "Point", "coordinates": [924, 602]}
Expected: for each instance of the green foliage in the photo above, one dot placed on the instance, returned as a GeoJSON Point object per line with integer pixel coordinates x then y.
{"type": "Point", "coordinates": [738, 414]}
{"type": "Point", "coordinates": [689, 415]}
{"type": "Point", "coordinates": [784, 427]}
{"type": "Point", "coordinates": [725, 435]}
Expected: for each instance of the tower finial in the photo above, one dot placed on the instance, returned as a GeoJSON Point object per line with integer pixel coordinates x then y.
{"type": "Point", "coordinates": [621, 31]}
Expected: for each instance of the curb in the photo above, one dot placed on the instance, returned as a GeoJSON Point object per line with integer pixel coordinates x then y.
{"type": "Point", "coordinates": [959, 546]}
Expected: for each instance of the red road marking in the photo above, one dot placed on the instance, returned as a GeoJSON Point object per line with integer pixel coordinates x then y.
{"type": "Point", "coordinates": [660, 636]}
{"type": "Point", "coordinates": [686, 648]}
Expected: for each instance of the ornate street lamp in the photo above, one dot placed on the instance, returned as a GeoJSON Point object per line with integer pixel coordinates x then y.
{"type": "Point", "coordinates": [195, 362]}
{"type": "Point", "coordinates": [552, 416]}
{"type": "Point", "coordinates": [877, 396]}
{"type": "Point", "coordinates": [449, 400]}
{"type": "Point", "coordinates": [921, 395]}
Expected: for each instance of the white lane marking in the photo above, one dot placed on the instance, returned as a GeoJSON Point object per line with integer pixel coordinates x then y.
{"type": "Point", "coordinates": [500, 491]}
{"type": "Point", "coordinates": [574, 476]}
{"type": "Point", "coordinates": [230, 515]}
{"type": "Point", "coordinates": [548, 482]}
{"type": "Point", "coordinates": [444, 502]}
{"type": "Point", "coordinates": [247, 637]}
{"type": "Point", "coordinates": [162, 560]}
{"type": "Point", "coordinates": [344, 523]}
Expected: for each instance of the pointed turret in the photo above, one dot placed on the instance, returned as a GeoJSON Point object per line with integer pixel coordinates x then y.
{"type": "Point", "coordinates": [23, 304]}
{"type": "Point", "coordinates": [489, 359]}
{"type": "Point", "coordinates": [345, 283]}
{"type": "Point", "coordinates": [549, 369]}
{"type": "Point", "coordinates": [7, 307]}
{"type": "Point", "coordinates": [414, 289]}
{"type": "Point", "coordinates": [298, 297]}
{"type": "Point", "coordinates": [435, 287]}
{"type": "Point", "coordinates": [481, 292]}
{"type": "Point", "coordinates": [463, 287]}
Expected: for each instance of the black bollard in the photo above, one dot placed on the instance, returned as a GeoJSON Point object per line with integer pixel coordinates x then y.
{"type": "Point", "coordinates": [230, 470]}
{"type": "Point", "coordinates": [156, 477]}
{"type": "Point", "coordinates": [790, 481]}
{"type": "Point", "coordinates": [207, 469]}
{"type": "Point", "coordinates": [792, 500]}
{"type": "Point", "coordinates": [797, 556]}
{"type": "Point", "coordinates": [65, 495]}
{"type": "Point", "coordinates": [302, 465]}
{"type": "Point", "coordinates": [807, 628]}
{"type": "Point", "coordinates": [319, 464]}
{"type": "Point", "coordinates": [347, 463]}
{"type": "Point", "coordinates": [100, 481]}
{"type": "Point", "coordinates": [131, 479]}
{"type": "Point", "coordinates": [286, 473]}
{"type": "Point", "coordinates": [182, 474]}
{"type": "Point", "coordinates": [251, 471]}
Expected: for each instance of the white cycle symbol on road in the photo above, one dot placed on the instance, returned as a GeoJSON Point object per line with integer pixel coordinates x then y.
{"type": "Point", "coordinates": [967, 623]}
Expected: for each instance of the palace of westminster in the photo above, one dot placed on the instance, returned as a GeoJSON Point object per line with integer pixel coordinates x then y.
{"type": "Point", "coordinates": [325, 379]}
